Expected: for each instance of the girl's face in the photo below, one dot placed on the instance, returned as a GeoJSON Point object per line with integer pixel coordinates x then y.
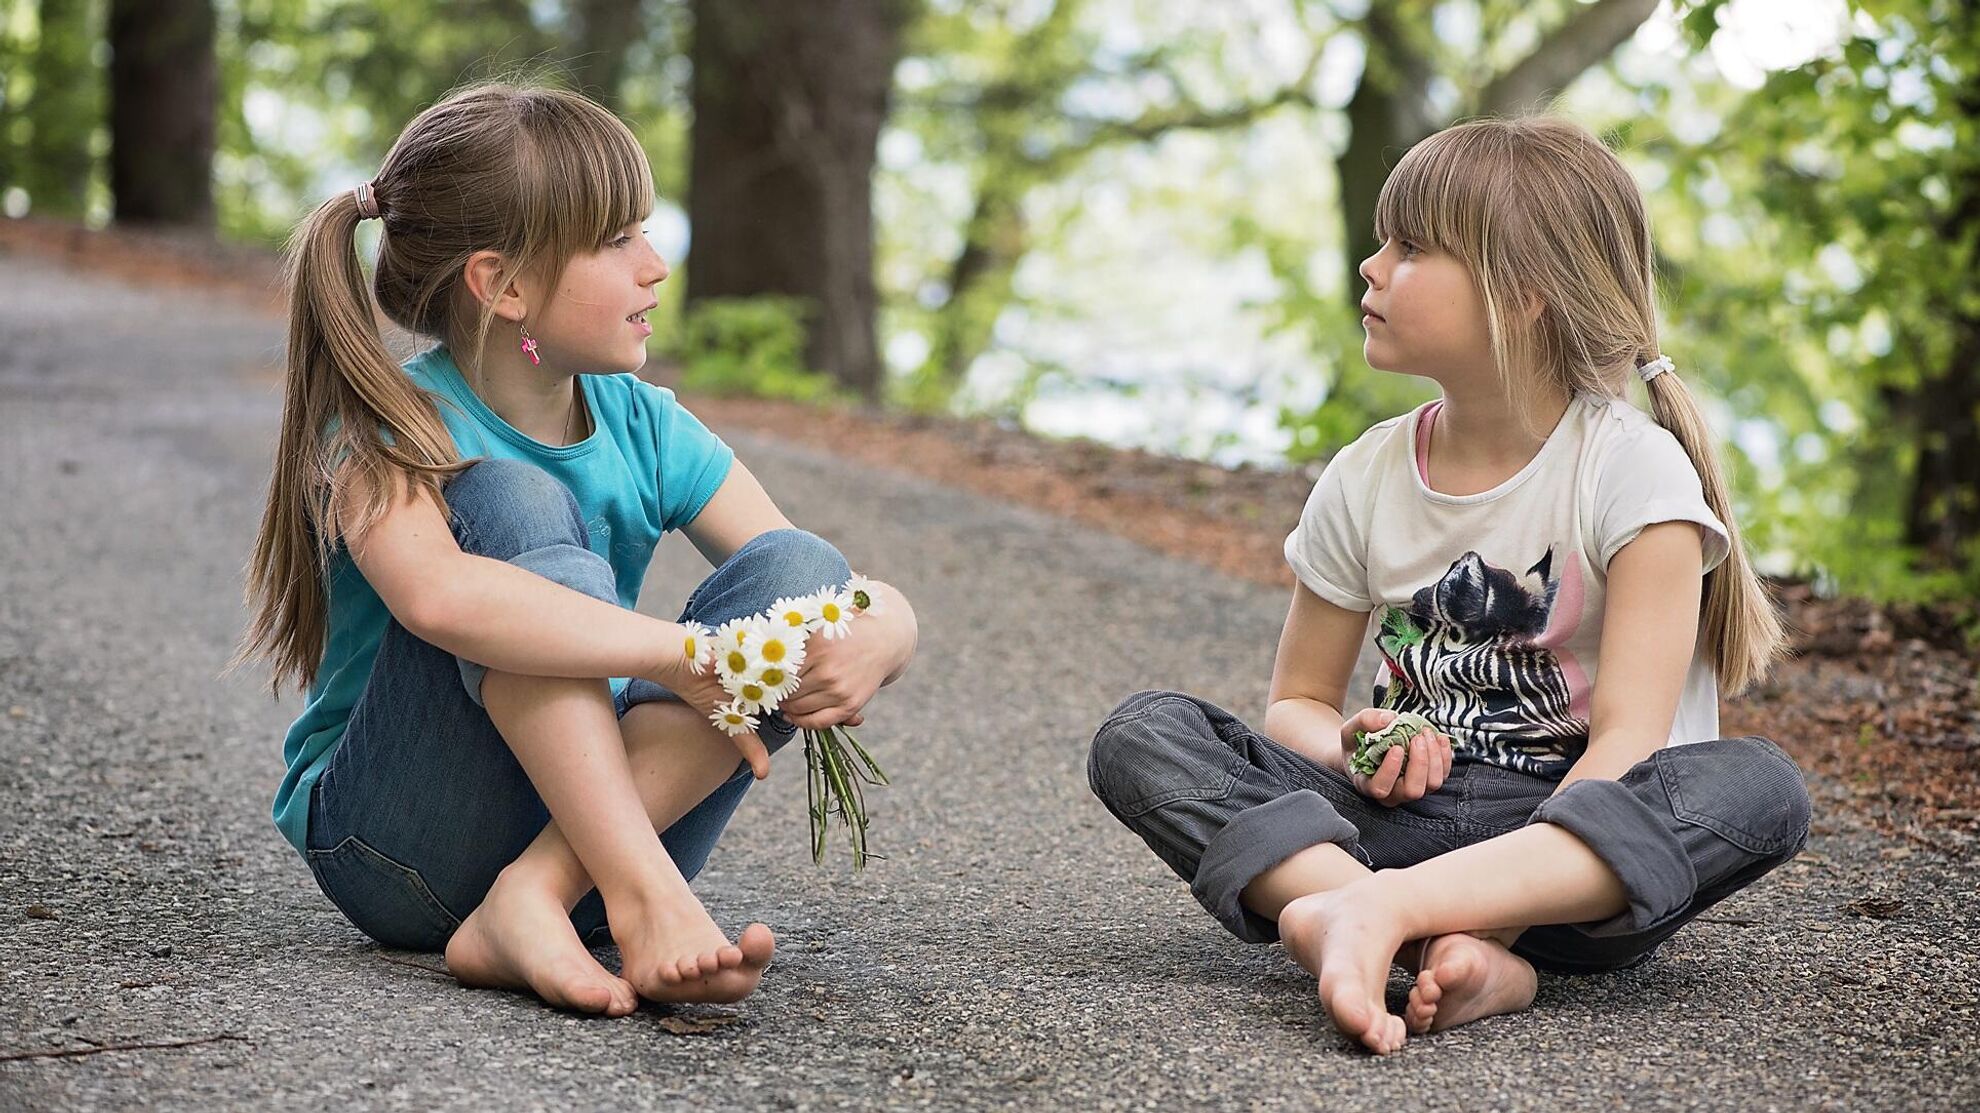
{"type": "Point", "coordinates": [1422, 314]}
{"type": "Point", "coordinates": [595, 322]}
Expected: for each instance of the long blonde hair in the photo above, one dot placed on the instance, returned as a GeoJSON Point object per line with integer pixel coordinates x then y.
{"type": "Point", "coordinates": [536, 175]}
{"type": "Point", "coordinates": [1538, 209]}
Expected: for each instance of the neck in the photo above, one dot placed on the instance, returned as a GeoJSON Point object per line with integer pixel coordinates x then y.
{"type": "Point", "coordinates": [540, 403]}
{"type": "Point", "coordinates": [1478, 425]}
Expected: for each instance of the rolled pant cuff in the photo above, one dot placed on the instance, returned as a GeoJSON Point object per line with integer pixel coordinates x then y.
{"type": "Point", "coordinates": [1258, 839]}
{"type": "Point", "coordinates": [1635, 840]}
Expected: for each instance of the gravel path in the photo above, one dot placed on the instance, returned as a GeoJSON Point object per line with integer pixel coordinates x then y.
{"type": "Point", "coordinates": [1017, 949]}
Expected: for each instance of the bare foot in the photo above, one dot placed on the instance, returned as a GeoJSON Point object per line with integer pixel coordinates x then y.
{"type": "Point", "coordinates": [1465, 978]}
{"type": "Point", "coordinates": [1347, 941]}
{"type": "Point", "coordinates": [521, 938]}
{"type": "Point", "coordinates": [676, 953]}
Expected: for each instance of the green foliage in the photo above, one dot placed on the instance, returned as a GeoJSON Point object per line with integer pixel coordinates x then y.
{"type": "Point", "coordinates": [1823, 277]}
{"type": "Point", "coordinates": [749, 346]}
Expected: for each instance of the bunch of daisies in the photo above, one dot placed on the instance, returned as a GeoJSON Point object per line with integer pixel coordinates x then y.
{"type": "Point", "coordinates": [759, 660]}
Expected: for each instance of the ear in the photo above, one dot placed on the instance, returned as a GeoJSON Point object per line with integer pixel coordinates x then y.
{"type": "Point", "coordinates": [1533, 308]}
{"type": "Point", "coordinates": [481, 273]}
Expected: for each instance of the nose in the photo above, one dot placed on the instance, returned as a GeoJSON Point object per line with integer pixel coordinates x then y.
{"type": "Point", "coordinates": [655, 271]}
{"type": "Point", "coordinates": [1369, 271]}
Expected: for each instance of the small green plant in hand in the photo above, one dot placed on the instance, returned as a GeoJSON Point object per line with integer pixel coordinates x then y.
{"type": "Point", "coordinates": [1371, 746]}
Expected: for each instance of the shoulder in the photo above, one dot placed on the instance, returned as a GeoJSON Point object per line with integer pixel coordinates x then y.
{"type": "Point", "coordinates": [1623, 443]}
{"type": "Point", "coordinates": [1380, 445]}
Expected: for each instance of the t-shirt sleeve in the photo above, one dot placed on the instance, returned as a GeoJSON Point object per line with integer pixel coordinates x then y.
{"type": "Point", "coordinates": [1328, 550]}
{"type": "Point", "coordinates": [693, 460]}
{"type": "Point", "coordinates": [1648, 480]}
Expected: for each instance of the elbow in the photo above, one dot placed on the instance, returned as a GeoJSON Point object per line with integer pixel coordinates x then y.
{"type": "Point", "coordinates": [430, 614]}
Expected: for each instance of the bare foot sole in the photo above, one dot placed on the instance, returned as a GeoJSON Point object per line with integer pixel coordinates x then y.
{"type": "Point", "coordinates": [1465, 978]}
{"type": "Point", "coordinates": [721, 974]}
{"type": "Point", "coordinates": [1348, 943]}
{"type": "Point", "coordinates": [523, 939]}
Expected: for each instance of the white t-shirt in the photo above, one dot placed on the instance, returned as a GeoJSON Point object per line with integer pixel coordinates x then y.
{"type": "Point", "coordinates": [1489, 606]}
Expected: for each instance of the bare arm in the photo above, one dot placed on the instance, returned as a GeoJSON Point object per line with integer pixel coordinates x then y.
{"type": "Point", "coordinates": [1649, 632]}
{"type": "Point", "coordinates": [492, 612]}
{"type": "Point", "coordinates": [842, 674]}
{"type": "Point", "coordinates": [1310, 677]}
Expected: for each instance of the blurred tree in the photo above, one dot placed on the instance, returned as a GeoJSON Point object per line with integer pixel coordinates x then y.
{"type": "Point", "coordinates": [63, 109]}
{"type": "Point", "coordinates": [164, 94]}
{"type": "Point", "coordinates": [1011, 104]}
{"type": "Point", "coordinates": [602, 31]}
{"type": "Point", "coordinates": [1845, 296]}
{"type": "Point", "coordinates": [789, 97]}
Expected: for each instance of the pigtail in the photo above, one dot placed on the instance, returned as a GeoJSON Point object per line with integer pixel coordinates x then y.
{"type": "Point", "coordinates": [1742, 626]}
{"type": "Point", "coordinates": [350, 413]}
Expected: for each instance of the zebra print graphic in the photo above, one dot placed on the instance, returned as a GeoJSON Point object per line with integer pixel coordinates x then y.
{"type": "Point", "coordinates": [1463, 655]}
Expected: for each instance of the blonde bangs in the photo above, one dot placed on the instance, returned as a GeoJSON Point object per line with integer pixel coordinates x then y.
{"type": "Point", "coordinates": [1440, 194]}
{"type": "Point", "coordinates": [584, 180]}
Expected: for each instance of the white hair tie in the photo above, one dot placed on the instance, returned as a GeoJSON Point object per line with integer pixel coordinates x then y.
{"type": "Point", "coordinates": [1656, 367]}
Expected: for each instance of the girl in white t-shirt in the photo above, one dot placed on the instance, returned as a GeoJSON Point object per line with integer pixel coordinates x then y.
{"type": "Point", "coordinates": [1548, 575]}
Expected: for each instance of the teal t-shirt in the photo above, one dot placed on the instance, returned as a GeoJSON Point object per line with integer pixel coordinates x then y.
{"type": "Point", "coordinates": [648, 467]}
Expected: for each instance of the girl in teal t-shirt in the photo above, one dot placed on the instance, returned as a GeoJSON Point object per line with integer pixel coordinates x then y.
{"type": "Point", "coordinates": [497, 755]}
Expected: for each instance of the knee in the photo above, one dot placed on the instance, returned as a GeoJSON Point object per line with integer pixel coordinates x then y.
{"type": "Point", "coordinates": [795, 561]}
{"type": "Point", "coordinates": [504, 507]}
{"type": "Point", "coordinates": [1747, 789]}
{"type": "Point", "coordinates": [1137, 743]}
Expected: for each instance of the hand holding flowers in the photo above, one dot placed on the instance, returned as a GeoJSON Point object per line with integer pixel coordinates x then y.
{"type": "Point", "coordinates": [760, 662]}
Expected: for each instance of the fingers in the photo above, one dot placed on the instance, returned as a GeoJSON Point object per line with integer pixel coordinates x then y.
{"type": "Point", "coordinates": [1383, 783]}
{"type": "Point", "coordinates": [1416, 773]}
{"type": "Point", "coordinates": [754, 752]}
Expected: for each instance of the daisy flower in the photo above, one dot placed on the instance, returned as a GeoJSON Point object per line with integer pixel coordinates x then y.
{"type": "Point", "coordinates": [795, 614]}
{"type": "Point", "coordinates": [835, 612]}
{"type": "Point", "coordinates": [780, 683]}
{"type": "Point", "coordinates": [735, 645]}
{"type": "Point", "coordinates": [733, 718]}
{"type": "Point", "coordinates": [779, 647]}
{"type": "Point", "coordinates": [865, 594]}
{"type": "Point", "coordinates": [751, 695]}
{"type": "Point", "coordinates": [698, 647]}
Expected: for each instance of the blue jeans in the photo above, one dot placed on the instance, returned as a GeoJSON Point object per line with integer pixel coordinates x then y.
{"type": "Point", "coordinates": [423, 803]}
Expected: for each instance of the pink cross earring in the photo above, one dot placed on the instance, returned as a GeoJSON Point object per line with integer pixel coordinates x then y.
{"type": "Point", "coordinates": [528, 344]}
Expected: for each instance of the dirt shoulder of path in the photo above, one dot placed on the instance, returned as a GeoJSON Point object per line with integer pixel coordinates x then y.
{"type": "Point", "coordinates": [1883, 700]}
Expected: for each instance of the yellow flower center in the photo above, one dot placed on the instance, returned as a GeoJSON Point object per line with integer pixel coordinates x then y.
{"type": "Point", "coordinates": [753, 692]}
{"type": "Point", "coordinates": [773, 677]}
{"type": "Point", "coordinates": [773, 650]}
{"type": "Point", "coordinates": [737, 660]}
{"type": "Point", "coordinates": [794, 619]}
{"type": "Point", "coordinates": [829, 612]}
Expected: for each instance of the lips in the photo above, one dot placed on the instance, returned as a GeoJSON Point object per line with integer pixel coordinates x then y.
{"type": "Point", "coordinates": [1366, 311]}
{"type": "Point", "coordinates": [639, 318]}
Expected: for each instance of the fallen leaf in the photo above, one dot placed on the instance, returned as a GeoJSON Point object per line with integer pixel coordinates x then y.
{"type": "Point", "coordinates": [1877, 908]}
{"type": "Point", "coordinates": [696, 1025]}
{"type": "Point", "coordinates": [40, 912]}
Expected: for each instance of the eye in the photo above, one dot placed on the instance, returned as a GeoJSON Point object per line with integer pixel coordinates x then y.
{"type": "Point", "coordinates": [1409, 248]}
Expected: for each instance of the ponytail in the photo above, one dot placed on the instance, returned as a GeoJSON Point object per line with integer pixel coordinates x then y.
{"type": "Point", "coordinates": [1741, 625]}
{"type": "Point", "coordinates": [351, 417]}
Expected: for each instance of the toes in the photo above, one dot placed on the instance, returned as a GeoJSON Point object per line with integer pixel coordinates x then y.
{"type": "Point", "coordinates": [729, 957]}
{"type": "Point", "coordinates": [756, 945]}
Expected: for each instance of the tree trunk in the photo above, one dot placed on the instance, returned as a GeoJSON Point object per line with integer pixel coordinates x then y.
{"type": "Point", "coordinates": [1943, 515]}
{"type": "Point", "coordinates": [64, 109]}
{"type": "Point", "coordinates": [164, 93]}
{"type": "Point", "coordinates": [1386, 117]}
{"type": "Point", "coordinates": [603, 30]}
{"type": "Point", "coordinates": [789, 97]}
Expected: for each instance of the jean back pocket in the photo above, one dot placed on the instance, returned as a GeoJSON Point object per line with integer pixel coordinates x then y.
{"type": "Point", "coordinates": [388, 901]}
